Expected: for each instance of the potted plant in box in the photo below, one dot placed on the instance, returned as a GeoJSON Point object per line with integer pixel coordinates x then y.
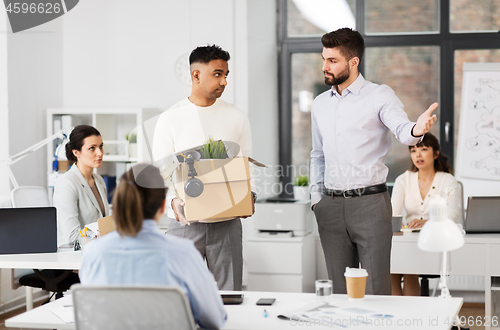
{"type": "Point", "coordinates": [213, 149]}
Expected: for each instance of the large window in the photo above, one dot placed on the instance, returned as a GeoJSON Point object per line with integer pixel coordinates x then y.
{"type": "Point", "coordinates": [417, 47]}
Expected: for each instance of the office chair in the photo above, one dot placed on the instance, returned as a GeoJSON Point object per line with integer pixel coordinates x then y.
{"type": "Point", "coordinates": [461, 206]}
{"type": "Point", "coordinates": [56, 281]}
{"type": "Point", "coordinates": [132, 307]}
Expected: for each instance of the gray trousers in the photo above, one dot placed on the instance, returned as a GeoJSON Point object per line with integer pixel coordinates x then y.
{"type": "Point", "coordinates": [220, 244]}
{"type": "Point", "coordinates": [357, 230]}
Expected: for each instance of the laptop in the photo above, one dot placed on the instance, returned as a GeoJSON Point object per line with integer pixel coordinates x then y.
{"type": "Point", "coordinates": [483, 215]}
{"type": "Point", "coordinates": [28, 230]}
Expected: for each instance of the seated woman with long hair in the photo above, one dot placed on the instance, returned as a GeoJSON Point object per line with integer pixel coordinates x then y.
{"type": "Point", "coordinates": [80, 195]}
{"type": "Point", "coordinates": [429, 175]}
{"type": "Point", "coordinates": [138, 253]}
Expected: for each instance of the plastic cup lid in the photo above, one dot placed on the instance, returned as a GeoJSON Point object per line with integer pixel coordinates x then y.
{"type": "Point", "coordinates": [355, 272]}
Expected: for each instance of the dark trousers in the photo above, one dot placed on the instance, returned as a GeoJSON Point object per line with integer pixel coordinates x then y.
{"type": "Point", "coordinates": [220, 244]}
{"type": "Point", "coordinates": [353, 231]}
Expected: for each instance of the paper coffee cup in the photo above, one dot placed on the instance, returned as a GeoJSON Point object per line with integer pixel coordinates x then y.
{"type": "Point", "coordinates": [355, 279]}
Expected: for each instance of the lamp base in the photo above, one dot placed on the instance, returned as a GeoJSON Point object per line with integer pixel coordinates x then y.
{"type": "Point", "coordinates": [445, 292]}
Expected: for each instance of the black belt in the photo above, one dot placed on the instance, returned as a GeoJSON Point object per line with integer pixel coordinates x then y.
{"type": "Point", "coordinates": [379, 188]}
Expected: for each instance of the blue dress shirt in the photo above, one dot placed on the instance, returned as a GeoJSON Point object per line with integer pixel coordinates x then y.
{"type": "Point", "coordinates": [351, 136]}
{"type": "Point", "coordinates": [157, 259]}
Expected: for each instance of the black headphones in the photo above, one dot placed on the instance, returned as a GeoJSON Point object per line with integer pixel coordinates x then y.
{"type": "Point", "coordinates": [193, 186]}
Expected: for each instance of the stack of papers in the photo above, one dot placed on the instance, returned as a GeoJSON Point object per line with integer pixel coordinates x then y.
{"type": "Point", "coordinates": [324, 314]}
{"type": "Point", "coordinates": [411, 230]}
{"type": "Point", "coordinates": [65, 313]}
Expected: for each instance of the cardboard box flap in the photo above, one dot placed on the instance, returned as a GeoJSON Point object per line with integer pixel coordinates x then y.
{"type": "Point", "coordinates": [219, 170]}
{"type": "Point", "coordinates": [255, 162]}
{"type": "Point", "coordinates": [166, 171]}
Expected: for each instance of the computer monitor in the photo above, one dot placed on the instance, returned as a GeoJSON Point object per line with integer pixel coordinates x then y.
{"type": "Point", "coordinates": [28, 230]}
{"type": "Point", "coordinates": [483, 215]}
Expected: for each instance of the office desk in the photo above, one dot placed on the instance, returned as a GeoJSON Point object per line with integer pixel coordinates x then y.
{"type": "Point", "coordinates": [433, 313]}
{"type": "Point", "coordinates": [479, 256]}
{"type": "Point", "coordinates": [65, 259]}
{"type": "Point", "coordinates": [60, 260]}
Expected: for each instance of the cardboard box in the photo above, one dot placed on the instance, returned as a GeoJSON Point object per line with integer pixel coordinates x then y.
{"type": "Point", "coordinates": [227, 193]}
{"type": "Point", "coordinates": [106, 225]}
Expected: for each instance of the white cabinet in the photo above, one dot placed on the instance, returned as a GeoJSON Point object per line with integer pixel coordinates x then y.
{"type": "Point", "coordinates": [280, 248]}
{"type": "Point", "coordinates": [281, 264]}
{"type": "Point", "coordinates": [114, 124]}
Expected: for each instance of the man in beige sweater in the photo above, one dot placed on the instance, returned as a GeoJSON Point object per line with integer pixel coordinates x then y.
{"type": "Point", "coordinates": [189, 123]}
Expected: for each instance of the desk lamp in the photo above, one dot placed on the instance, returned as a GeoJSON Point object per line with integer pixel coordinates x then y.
{"type": "Point", "coordinates": [440, 234]}
{"type": "Point", "coordinates": [14, 159]}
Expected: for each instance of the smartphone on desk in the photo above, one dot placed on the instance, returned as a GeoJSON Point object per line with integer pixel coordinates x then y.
{"type": "Point", "coordinates": [266, 301]}
{"type": "Point", "coordinates": [232, 298]}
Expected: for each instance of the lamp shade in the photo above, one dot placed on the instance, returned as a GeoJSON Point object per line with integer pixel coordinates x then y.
{"type": "Point", "coordinates": [440, 233]}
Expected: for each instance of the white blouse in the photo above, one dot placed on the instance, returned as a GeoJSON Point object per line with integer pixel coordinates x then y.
{"type": "Point", "coordinates": [406, 193]}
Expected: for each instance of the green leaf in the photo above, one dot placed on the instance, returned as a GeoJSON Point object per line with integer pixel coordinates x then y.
{"type": "Point", "coordinates": [212, 149]}
{"type": "Point", "coordinates": [301, 181]}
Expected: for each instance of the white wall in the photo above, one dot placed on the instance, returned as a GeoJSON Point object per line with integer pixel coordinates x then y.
{"type": "Point", "coordinates": [31, 80]}
{"type": "Point", "coordinates": [4, 112]}
{"type": "Point", "coordinates": [35, 83]}
{"type": "Point", "coordinates": [4, 124]}
{"type": "Point", "coordinates": [263, 90]}
{"type": "Point", "coordinates": [127, 56]}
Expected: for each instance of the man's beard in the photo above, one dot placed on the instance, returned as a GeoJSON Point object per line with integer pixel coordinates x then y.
{"type": "Point", "coordinates": [339, 79]}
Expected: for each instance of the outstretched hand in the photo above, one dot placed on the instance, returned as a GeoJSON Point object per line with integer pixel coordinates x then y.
{"type": "Point", "coordinates": [425, 121]}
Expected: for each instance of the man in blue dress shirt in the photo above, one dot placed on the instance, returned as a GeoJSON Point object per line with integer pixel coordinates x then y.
{"type": "Point", "coordinates": [351, 127]}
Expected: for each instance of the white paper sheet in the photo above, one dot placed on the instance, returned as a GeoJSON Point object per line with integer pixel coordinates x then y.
{"type": "Point", "coordinates": [66, 313]}
{"type": "Point", "coordinates": [94, 228]}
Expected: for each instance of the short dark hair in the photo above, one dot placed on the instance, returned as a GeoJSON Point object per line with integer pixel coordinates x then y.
{"type": "Point", "coordinates": [205, 54]}
{"type": "Point", "coordinates": [349, 41]}
{"type": "Point", "coordinates": [441, 162]}
{"type": "Point", "coordinates": [76, 138]}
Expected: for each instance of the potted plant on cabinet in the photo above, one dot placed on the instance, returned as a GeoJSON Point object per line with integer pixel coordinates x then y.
{"type": "Point", "coordinates": [301, 187]}
{"type": "Point", "coordinates": [132, 144]}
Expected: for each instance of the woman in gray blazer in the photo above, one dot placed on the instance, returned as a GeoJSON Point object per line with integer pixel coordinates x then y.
{"type": "Point", "coordinates": [80, 196]}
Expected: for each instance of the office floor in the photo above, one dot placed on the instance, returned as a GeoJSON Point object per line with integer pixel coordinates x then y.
{"type": "Point", "coordinates": [474, 310]}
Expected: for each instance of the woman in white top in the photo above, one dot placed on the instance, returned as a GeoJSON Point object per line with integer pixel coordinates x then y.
{"type": "Point", "coordinates": [80, 196]}
{"type": "Point", "coordinates": [430, 174]}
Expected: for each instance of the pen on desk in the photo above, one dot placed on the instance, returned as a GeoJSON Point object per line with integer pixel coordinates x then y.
{"type": "Point", "coordinates": [81, 233]}
{"type": "Point", "coordinates": [85, 231]}
{"type": "Point", "coordinates": [265, 313]}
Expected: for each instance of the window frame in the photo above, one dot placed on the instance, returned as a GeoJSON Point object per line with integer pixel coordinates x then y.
{"type": "Point", "coordinates": [448, 42]}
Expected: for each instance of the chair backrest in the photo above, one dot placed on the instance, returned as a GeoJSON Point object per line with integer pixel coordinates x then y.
{"type": "Point", "coordinates": [461, 208]}
{"type": "Point", "coordinates": [29, 196]}
{"type": "Point", "coordinates": [131, 307]}
{"type": "Point", "coordinates": [26, 196]}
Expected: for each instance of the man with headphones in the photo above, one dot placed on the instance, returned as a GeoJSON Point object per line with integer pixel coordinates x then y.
{"type": "Point", "coordinates": [188, 124]}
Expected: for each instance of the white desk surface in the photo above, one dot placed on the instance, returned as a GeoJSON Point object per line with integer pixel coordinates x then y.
{"type": "Point", "coordinates": [65, 259]}
{"type": "Point", "coordinates": [469, 238]}
{"type": "Point", "coordinates": [478, 257]}
{"type": "Point", "coordinates": [413, 312]}
{"type": "Point", "coordinates": [475, 258]}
